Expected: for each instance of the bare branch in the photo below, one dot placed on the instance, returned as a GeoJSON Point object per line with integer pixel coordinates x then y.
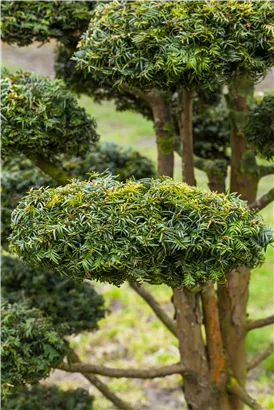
{"type": "Point", "coordinates": [102, 387]}
{"type": "Point", "coordinates": [263, 201]}
{"type": "Point", "coordinates": [152, 373]}
{"type": "Point", "coordinates": [265, 170]}
{"type": "Point", "coordinates": [134, 91]}
{"type": "Point", "coordinates": [258, 358]}
{"type": "Point", "coordinates": [160, 313]}
{"type": "Point", "coordinates": [255, 324]}
{"type": "Point", "coordinates": [234, 387]}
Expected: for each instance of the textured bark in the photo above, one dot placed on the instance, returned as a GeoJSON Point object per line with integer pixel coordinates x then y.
{"type": "Point", "coordinates": [192, 350]}
{"type": "Point", "coordinates": [164, 129]}
{"type": "Point", "coordinates": [186, 134]}
{"type": "Point", "coordinates": [232, 299]}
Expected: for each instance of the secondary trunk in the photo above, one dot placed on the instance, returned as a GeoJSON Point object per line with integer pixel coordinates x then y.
{"type": "Point", "coordinates": [164, 129]}
{"type": "Point", "coordinates": [232, 299]}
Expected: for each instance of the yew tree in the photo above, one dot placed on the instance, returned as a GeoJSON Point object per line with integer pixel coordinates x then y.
{"type": "Point", "coordinates": [155, 57]}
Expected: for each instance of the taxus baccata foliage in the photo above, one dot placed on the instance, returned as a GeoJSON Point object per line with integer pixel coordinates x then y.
{"type": "Point", "coordinates": [51, 397]}
{"type": "Point", "coordinates": [156, 231]}
{"type": "Point", "coordinates": [40, 116]}
{"type": "Point", "coordinates": [19, 175]}
{"type": "Point", "coordinates": [76, 306]}
{"type": "Point", "coordinates": [260, 128]}
{"type": "Point", "coordinates": [30, 346]}
{"type": "Point", "coordinates": [27, 21]}
{"type": "Point", "coordinates": [163, 44]}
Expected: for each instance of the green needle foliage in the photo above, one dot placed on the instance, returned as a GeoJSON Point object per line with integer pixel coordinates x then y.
{"type": "Point", "coordinates": [30, 346]}
{"type": "Point", "coordinates": [24, 22]}
{"type": "Point", "coordinates": [40, 117]}
{"type": "Point", "coordinates": [19, 175]}
{"type": "Point", "coordinates": [260, 127]}
{"type": "Point", "coordinates": [60, 298]}
{"type": "Point", "coordinates": [156, 231]}
{"type": "Point", "coordinates": [165, 44]}
{"type": "Point", "coordinates": [51, 397]}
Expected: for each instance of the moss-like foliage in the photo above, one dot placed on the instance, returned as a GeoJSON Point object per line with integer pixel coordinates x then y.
{"type": "Point", "coordinates": [76, 306]}
{"type": "Point", "coordinates": [30, 346]}
{"type": "Point", "coordinates": [23, 22]}
{"type": "Point", "coordinates": [165, 44]}
{"type": "Point", "coordinates": [41, 117]}
{"type": "Point", "coordinates": [48, 398]}
{"type": "Point", "coordinates": [157, 231]}
{"type": "Point", "coordinates": [259, 130]}
{"type": "Point", "coordinates": [19, 175]}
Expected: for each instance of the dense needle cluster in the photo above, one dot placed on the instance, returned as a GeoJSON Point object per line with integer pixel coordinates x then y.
{"type": "Point", "coordinates": [156, 231]}
{"type": "Point", "coordinates": [75, 306]}
{"type": "Point", "coordinates": [41, 117]}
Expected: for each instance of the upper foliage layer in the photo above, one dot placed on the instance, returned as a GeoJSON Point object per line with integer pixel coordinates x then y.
{"type": "Point", "coordinates": [23, 22]}
{"type": "Point", "coordinates": [41, 117]}
{"type": "Point", "coordinates": [19, 175]}
{"type": "Point", "coordinates": [166, 44]}
{"type": "Point", "coordinates": [260, 127]}
{"type": "Point", "coordinates": [158, 231]}
{"type": "Point", "coordinates": [30, 346]}
{"type": "Point", "coordinates": [62, 299]}
{"type": "Point", "coordinates": [52, 398]}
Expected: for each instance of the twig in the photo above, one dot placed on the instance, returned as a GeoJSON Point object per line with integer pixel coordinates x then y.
{"type": "Point", "coordinates": [102, 387]}
{"type": "Point", "coordinates": [160, 313]}
{"type": "Point", "coordinates": [263, 201]}
{"type": "Point", "coordinates": [152, 373]}
{"type": "Point", "coordinates": [255, 324]}
{"type": "Point", "coordinates": [234, 387]}
{"type": "Point", "coordinates": [258, 358]}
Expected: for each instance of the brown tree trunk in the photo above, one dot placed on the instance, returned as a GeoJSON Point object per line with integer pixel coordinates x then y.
{"type": "Point", "coordinates": [232, 299]}
{"type": "Point", "coordinates": [165, 135]}
{"type": "Point", "coordinates": [186, 134]}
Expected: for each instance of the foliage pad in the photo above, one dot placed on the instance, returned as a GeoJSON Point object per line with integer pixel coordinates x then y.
{"type": "Point", "coordinates": [40, 117]}
{"type": "Point", "coordinates": [52, 398]}
{"type": "Point", "coordinates": [260, 127]}
{"type": "Point", "coordinates": [76, 306]}
{"type": "Point", "coordinates": [30, 346]}
{"type": "Point", "coordinates": [158, 231]}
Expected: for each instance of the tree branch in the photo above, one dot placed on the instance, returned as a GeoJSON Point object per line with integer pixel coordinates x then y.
{"type": "Point", "coordinates": [160, 313]}
{"type": "Point", "coordinates": [134, 91]}
{"type": "Point", "coordinates": [234, 387]}
{"type": "Point", "coordinates": [265, 170]}
{"type": "Point", "coordinates": [102, 387]}
{"type": "Point", "coordinates": [255, 324]}
{"type": "Point", "coordinates": [152, 373]}
{"type": "Point", "coordinates": [263, 201]}
{"type": "Point", "coordinates": [258, 358]}
{"type": "Point", "coordinates": [59, 175]}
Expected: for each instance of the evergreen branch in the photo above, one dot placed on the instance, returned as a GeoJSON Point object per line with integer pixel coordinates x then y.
{"type": "Point", "coordinates": [160, 313]}
{"type": "Point", "coordinates": [102, 387]}
{"type": "Point", "coordinates": [258, 358]}
{"type": "Point", "coordinates": [255, 324]}
{"type": "Point", "coordinates": [265, 170]}
{"type": "Point", "coordinates": [262, 202]}
{"type": "Point", "coordinates": [177, 368]}
{"type": "Point", "coordinates": [234, 387]}
{"type": "Point", "coordinates": [59, 175]}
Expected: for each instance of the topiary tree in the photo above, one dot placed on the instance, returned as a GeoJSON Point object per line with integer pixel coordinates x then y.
{"type": "Point", "coordinates": [52, 398]}
{"type": "Point", "coordinates": [202, 25]}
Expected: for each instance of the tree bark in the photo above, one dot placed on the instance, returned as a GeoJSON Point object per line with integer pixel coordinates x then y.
{"type": "Point", "coordinates": [232, 299]}
{"type": "Point", "coordinates": [192, 350]}
{"type": "Point", "coordinates": [59, 175]}
{"type": "Point", "coordinates": [186, 134]}
{"type": "Point", "coordinates": [165, 134]}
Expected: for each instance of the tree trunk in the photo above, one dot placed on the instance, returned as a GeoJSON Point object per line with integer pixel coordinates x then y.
{"type": "Point", "coordinates": [186, 134]}
{"type": "Point", "coordinates": [232, 299]}
{"type": "Point", "coordinates": [165, 135]}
